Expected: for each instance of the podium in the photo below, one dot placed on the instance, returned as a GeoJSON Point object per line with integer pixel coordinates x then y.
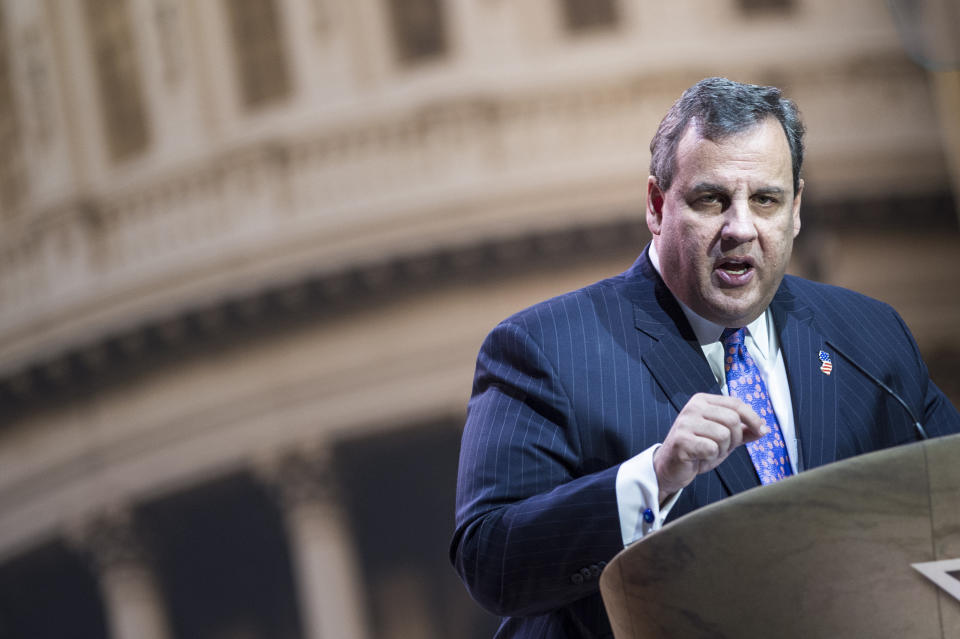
{"type": "Point", "coordinates": [826, 553]}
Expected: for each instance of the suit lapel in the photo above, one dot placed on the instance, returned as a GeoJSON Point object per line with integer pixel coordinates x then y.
{"type": "Point", "coordinates": [676, 361]}
{"type": "Point", "coordinates": [813, 392]}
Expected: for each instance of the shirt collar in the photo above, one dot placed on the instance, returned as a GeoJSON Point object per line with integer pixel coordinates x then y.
{"type": "Point", "coordinates": [708, 332]}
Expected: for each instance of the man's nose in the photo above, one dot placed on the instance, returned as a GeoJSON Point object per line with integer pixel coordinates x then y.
{"type": "Point", "coordinates": [738, 223]}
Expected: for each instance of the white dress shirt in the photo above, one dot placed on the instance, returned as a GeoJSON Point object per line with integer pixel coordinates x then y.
{"type": "Point", "coordinates": [637, 487]}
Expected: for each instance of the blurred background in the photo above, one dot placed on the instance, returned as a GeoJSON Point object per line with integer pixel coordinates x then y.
{"type": "Point", "coordinates": [249, 250]}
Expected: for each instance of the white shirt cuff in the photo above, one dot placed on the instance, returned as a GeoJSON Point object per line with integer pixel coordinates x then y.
{"type": "Point", "coordinates": [638, 493]}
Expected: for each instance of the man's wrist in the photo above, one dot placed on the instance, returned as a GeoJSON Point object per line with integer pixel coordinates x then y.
{"type": "Point", "coordinates": [665, 492]}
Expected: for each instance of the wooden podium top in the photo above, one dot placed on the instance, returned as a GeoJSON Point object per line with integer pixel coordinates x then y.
{"type": "Point", "coordinates": [826, 553]}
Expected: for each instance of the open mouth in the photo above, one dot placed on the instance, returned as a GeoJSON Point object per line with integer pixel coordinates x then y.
{"type": "Point", "coordinates": [735, 266]}
{"type": "Point", "coordinates": [735, 271]}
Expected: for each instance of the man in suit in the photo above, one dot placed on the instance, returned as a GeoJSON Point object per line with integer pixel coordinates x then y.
{"type": "Point", "coordinates": [699, 373]}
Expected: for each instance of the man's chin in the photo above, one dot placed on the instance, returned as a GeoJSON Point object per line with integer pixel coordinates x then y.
{"type": "Point", "coordinates": [732, 313]}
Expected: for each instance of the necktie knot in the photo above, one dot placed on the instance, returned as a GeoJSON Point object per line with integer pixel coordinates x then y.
{"type": "Point", "coordinates": [733, 336]}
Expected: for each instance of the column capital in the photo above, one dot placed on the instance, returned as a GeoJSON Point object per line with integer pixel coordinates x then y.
{"type": "Point", "coordinates": [300, 477]}
{"type": "Point", "coordinates": [110, 540]}
{"type": "Point", "coordinates": [132, 598]}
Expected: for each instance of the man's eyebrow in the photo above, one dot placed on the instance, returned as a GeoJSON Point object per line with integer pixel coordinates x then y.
{"type": "Point", "coordinates": [769, 190]}
{"type": "Point", "coordinates": [708, 187]}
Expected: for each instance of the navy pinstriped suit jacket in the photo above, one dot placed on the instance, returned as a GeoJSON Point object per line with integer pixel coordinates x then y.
{"type": "Point", "coordinates": [568, 389]}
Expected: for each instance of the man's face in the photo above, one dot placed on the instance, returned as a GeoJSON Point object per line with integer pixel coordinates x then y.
{"type": "Point", "coordinates": [724, 230]}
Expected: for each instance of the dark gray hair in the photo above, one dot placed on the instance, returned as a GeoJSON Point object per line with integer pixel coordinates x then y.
{"type": "Point", "coordinates": [720, 108]}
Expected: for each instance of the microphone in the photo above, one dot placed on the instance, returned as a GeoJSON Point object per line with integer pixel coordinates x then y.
{"type": "Point", "coordinates": [918, 427]}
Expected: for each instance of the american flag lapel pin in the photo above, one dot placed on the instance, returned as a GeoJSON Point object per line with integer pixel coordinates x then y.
{"type": "Point", "coordinates": [825, 364]}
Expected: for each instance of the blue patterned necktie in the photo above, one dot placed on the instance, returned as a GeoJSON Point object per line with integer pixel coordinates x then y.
{"type": "Point", "coordinates": [769, 453]}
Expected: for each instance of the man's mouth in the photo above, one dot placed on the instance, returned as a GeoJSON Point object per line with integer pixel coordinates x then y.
{"type": "Point", "coordinates": [736, 266]}
{"type": "Point", "coordinates": [735, 270]}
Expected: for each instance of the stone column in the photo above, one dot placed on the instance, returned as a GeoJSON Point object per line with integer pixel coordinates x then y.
{"type": "Point", "coordinates": [131, 596]}
{"type": "Point", "coordinates": [321, 546]}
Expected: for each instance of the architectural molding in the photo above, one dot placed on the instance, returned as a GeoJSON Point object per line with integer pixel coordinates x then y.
{"type": "Point", "coordinates": [399, 164]}
{"type": "Point", "coordinates": [115, 357]}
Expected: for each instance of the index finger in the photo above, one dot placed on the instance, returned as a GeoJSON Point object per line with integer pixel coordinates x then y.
{"type": "Point", "coordinates": [754, 423]}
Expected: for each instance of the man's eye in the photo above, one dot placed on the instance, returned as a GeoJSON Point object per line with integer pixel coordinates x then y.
{"type": "Point", "coordinates": [710, 199]}
{"type": "Point", "coordinates": [765, 200]}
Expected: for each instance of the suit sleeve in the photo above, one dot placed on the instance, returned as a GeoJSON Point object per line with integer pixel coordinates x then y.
{"type": "Point", "coordinates": [939, 416]}
{"type": "Point", "coordinates": [532, 530]}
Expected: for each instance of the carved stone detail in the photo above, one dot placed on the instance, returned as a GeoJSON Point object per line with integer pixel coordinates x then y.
{"type": "Point", "coordinates": [132, 599]}
{"type": "Point", "coordinates": [302, 477]}
{"type": "Point", "coordinates": [111, 541]}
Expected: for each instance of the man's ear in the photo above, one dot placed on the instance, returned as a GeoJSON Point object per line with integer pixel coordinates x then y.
{"type": "Point", "coordinates": [655, 197]}
{"type": "Point", "coordinates": [796, 208]}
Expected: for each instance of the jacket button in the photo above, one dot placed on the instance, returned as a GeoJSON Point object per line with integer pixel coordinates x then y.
{"type": "Point", "coordinates": [576, 578]}
{"type": "Point", "coordinates": [594, 571]}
